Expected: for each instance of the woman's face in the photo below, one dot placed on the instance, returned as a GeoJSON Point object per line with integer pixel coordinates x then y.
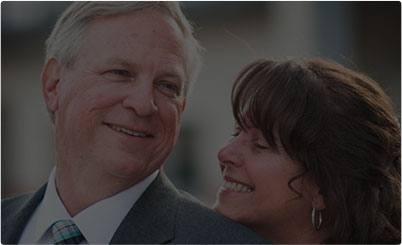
{"type": "Point", "coordinates": [255, 189]}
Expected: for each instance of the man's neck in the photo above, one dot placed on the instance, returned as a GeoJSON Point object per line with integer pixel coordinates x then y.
{"type": "Point", "coordinates": [80, 189]}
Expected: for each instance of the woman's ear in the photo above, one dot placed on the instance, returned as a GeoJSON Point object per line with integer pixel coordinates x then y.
{"type": "Point", "coordinates": [313, 194]}
{"type": "Point", "coordinates": [318, 201]}
{"type": "Point", "coordinates": [50, 80]}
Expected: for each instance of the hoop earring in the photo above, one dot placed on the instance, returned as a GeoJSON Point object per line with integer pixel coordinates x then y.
{"type": "Point", "coordinates": [316, 218]}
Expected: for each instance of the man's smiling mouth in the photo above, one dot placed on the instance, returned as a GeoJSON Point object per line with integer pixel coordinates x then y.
{"type": "Point", "coordinates": [129, 132]}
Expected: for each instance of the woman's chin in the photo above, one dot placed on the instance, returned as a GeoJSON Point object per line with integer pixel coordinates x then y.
{"type": "Point", "coordinates": [228, 212]}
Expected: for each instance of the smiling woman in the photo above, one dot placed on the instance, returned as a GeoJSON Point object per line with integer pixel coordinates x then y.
{"type": "Point", "coordinates": [315, 157]}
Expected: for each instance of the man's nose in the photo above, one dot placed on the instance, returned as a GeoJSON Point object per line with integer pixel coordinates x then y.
{"type": "Point", "coordinates": [230, 154]}
{"type": "Point", "coordinates": [140, 98]}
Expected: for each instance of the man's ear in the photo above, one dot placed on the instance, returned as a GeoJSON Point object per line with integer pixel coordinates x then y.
{"type": "Point", "coordinates": [50, 80]}
{"type": "Point", "coordinates": [183, 105]}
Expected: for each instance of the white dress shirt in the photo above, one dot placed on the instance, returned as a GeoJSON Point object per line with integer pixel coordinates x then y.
{"type": "Point", "coordinates": [97, 223]}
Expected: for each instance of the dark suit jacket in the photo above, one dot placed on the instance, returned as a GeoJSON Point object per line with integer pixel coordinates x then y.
{"type": "Point", "coordinates": [163, 214]}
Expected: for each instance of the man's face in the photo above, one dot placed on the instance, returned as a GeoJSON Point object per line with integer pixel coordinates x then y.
{"type": "Point", "coordinates": [119, 106]}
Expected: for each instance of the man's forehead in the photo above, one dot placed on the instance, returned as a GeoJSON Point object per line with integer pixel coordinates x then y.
{"type": "Point", "coordinates": [149, 26]}
{"type": "Point", "coordinates": [133, 20]}
{"type": "Point", "coordinates": [129, 39]}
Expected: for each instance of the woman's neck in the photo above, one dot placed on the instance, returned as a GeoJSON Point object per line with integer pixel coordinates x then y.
{"type": "Point", "coordinates": [288, 234]}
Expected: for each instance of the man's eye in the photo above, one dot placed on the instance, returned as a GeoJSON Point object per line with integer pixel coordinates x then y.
{"type": "Point", "coordinates": [120, 72]}
{"type": "Point", "coordinates": [169, 88]}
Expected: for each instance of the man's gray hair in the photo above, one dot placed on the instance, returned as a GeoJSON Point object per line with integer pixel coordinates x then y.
{"type": "Point", "coordinates": [64, 41]}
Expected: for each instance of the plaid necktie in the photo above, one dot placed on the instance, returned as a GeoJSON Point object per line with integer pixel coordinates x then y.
{"type": "Point", "coordinates": [66, 232]}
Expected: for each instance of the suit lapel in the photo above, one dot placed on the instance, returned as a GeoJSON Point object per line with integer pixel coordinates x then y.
{"type": "Point", "coordinates": [152, 218]}
{"type": "Point", "coordinates": [15, 222]}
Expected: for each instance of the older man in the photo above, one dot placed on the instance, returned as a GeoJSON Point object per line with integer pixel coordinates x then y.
{"type": "Point", "coordinates": [115, 82]}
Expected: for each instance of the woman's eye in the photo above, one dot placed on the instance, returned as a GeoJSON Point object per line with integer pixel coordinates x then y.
{"type": "Point", "coordinates": [235, 133]}
{"type": "Point", "coordinates": [260, 146]}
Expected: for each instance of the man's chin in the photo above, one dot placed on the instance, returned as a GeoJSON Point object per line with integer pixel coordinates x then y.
{"type": "Point", "coordinates": [129, 171]}
{"type": "Point", "coordinates": [125, 171]}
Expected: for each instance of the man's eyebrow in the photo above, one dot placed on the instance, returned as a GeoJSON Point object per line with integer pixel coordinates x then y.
{"type": "Point", "coordinates": [172, 72]}
{"type": "Point", "coordinates": [120, 61]}
{"type": "Point", "coordinates": [172, 75]}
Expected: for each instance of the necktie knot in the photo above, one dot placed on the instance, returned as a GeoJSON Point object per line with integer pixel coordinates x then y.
{"type": "Point", "coordinates": [66, 232]}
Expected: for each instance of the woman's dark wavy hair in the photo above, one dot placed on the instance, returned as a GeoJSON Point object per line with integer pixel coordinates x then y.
{"type": "Point", "coordinates": [341, 126]}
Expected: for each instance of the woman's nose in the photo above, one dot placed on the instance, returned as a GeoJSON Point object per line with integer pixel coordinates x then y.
{"type": "Point", "coordinates": [230, 154]}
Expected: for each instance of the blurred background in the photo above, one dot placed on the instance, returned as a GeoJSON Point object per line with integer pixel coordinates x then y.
{"type": "Point", "coordinates": [365, 36]}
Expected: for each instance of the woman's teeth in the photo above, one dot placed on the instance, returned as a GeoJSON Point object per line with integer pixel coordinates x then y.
{"type": "Point", "coordinates": [236, 187]}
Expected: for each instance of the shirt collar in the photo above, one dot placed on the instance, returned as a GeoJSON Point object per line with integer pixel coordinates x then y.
{"type": "Point", "coordinates": [99, 221]}
{"type": "Point", "coordinates": [50, 210]}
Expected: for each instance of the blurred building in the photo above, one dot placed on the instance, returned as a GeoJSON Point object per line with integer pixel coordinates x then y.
{"type": "Point", "coordinates": [365, 36]}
